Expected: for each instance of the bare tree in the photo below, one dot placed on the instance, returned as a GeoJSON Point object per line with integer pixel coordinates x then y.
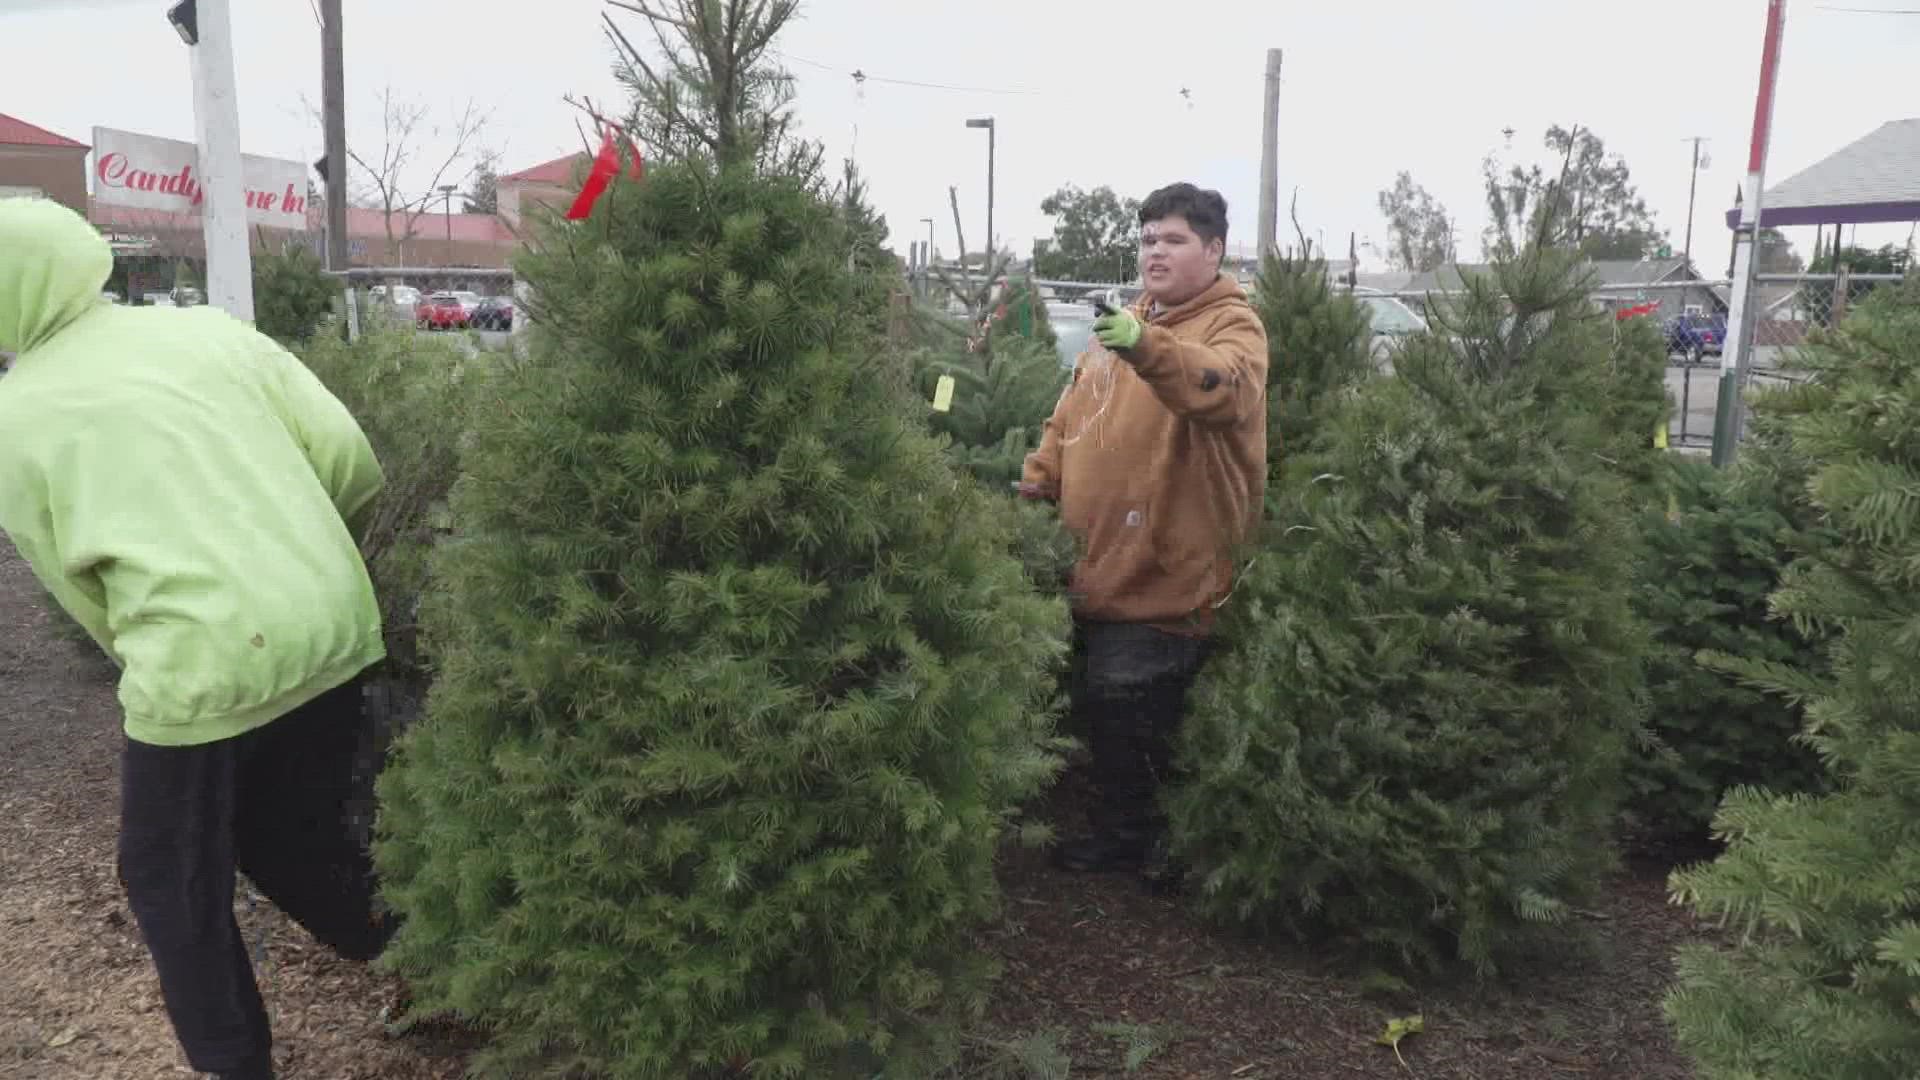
{"type": "Point", "coordinates": [407, 134]}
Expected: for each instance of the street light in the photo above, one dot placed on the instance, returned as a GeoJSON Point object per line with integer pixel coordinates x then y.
{"type": "Point", "coordinates": [446, 192]}
{"type": "Point", "coordinates": [986, 122]}
{"type": "Point", "coordinates": [185, 18]}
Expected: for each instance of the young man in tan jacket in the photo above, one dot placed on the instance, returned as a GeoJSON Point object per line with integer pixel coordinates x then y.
{"type": "Point", "coordinates": [1157, 456]}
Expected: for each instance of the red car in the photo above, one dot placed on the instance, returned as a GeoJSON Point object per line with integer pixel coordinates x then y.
{"type": "Point", "coordinates": [441, 311]}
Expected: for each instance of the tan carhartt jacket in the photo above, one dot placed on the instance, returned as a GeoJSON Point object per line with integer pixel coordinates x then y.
{"type": "Point", "coordinates": [1158, 458]}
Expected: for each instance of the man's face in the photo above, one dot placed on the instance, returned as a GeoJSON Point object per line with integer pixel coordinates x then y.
{"type": "Point", "coordinates": [1175, 264]}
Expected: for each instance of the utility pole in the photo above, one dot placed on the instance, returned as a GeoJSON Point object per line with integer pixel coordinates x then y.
{"type": "Point", "coordinates": [333, 95]}
{"type": "Point", "coordinates": [1270, 160]}
{"type": "Point", "coordinates": [1733, 361]}
{"type": "Point", "coordinates": [1692, 185]}
{"type": "Point", "coordinates": [986, 122]}
{"type": "Point", "coordinates": [216, 114]}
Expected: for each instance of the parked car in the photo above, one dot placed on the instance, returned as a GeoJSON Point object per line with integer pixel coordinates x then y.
{"type": "Point", "coordinates": [1695, 336]}
{"type": "Point", "coordinates": [1073, 327]}
{"type": "Point", "coordinates": [1391, 321]}
{"type": "Point", "coordinates": [441, 311]}
{"type": "Point", "coordinates": [468, 300]}
{"type": "Point", "coordinates": [492, 313]}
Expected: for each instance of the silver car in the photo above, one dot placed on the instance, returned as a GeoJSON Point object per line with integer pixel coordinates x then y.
{"type": "Point", "coordinates": [1391, 322]}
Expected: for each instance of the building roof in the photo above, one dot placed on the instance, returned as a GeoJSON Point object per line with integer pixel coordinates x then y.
{"type": "Point", "coordinates": [559, 172]}
{"type": "Point", "coordinates": [16, 132]}
{"type": "Point", "coordinates": [1875, 178]}
{"type": "Point", "coordinates": [431, 225]}
{"type": "Point", "coordinates": [1637, 271]}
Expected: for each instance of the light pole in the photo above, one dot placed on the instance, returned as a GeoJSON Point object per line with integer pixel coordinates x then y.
{"type": "Point", "coordinates": [986, 122]}
{"type": "Point", "coordinates": [926, 261]}
{"type": "Point", "coordinates": [207, 30]}
{"type": "Point", "coordinates": [446, 193]}
{"type": "Point", "coordinates": [1692, 186]}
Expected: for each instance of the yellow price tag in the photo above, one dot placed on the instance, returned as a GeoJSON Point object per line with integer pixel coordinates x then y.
{"type": "Point", "coordinates": [943, 394]}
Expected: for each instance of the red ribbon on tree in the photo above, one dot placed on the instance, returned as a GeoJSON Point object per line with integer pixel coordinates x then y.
{"type": "Point", "coordinates": [605, 164]}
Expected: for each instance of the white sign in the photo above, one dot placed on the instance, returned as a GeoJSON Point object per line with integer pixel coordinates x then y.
{"type": "Point", "coordinates": [149, 173]}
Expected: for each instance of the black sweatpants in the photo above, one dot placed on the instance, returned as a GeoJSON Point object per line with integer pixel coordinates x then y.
{"type": "Point", "coordinates": [1129, 689]}
{"type": "Point", "coordinates": [275, 803]}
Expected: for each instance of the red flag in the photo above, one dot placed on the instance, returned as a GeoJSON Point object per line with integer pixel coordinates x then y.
{"type": "Point", "coordinates": [605, 164]}
{"type": "Point", "coordinates": [639, 169]}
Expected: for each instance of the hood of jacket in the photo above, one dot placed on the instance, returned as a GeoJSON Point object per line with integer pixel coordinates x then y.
{"type": "Point", "coordinates": [52, 268]}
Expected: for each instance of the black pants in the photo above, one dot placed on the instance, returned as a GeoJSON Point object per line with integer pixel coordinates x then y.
{"type": "Point", "coordinates": [276, 803]}
{"type": "Point", "coordinates": [1129, 690]}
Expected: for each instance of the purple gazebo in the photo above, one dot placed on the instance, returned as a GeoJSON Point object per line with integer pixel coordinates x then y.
{"type": "Point", "coordinates": [1872, 180]}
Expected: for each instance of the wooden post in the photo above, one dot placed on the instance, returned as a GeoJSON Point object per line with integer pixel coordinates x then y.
{"type": "Point", "coordinates": [1270, 159]}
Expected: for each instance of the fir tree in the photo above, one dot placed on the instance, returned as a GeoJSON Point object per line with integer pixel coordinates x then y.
{"type": "Point", "coordinates": [1416, 732]}
{"type": "Point", "coordinates": [736, 689]}
{"type": "Point", "coordinates": [1713, 558]}
{"type": "Point", "coordinates": [1824, 980]}
{"type": "Point", "coordinates": [1021, 312]}
{"type": "Point", "coordinates": [292, 294]}
{"type": "Point", "coordinates": [1318, 345]}
{"type": "Point", "coordinates": [1001, 398]}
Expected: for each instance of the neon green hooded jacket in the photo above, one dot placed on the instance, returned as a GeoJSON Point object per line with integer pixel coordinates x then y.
{"type": "Point", "coordinates": [183, 487]}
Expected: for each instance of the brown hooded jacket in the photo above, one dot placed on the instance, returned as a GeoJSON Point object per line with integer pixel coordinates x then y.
{"type": "Point", "coordinates": [1158, 458]}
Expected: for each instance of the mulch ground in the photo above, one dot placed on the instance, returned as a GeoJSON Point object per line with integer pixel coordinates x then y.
{"type": "Point", "coordinates": [1096, 970]}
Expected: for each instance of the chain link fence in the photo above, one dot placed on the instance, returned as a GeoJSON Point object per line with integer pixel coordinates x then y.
{"type": "Point", "coordinates": [1786, 310]}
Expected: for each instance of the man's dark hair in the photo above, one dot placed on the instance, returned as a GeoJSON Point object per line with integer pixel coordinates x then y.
{"type": "Point", "coordinates": [1206, 211]}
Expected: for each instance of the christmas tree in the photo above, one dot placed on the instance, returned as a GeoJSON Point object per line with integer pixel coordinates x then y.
{"type": "Point", "coordinates": [737, 686]}
{"type": "Point", "coordinates": [1317, 348]}
{"type": "Point", "coordinates": [1824, 978]}
{"type": "Point", "coordinates": [1002, 394]}
{"type": "Point", "coordinates": [1415, 735]}
{"type": "Point", "coordinates": [1714, 556]}
{"type": "Point", "coordinates": [1021, 312]}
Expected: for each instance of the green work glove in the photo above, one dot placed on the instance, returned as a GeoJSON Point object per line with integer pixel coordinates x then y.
{"type": "Point", "coordinates": [1120, 330]}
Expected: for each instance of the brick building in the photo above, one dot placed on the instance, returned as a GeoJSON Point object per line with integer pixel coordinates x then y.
{"type": "Point", "coordinates": [37, 163]}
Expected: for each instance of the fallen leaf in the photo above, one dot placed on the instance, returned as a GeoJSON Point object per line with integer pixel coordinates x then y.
{"type": "Point", "coordinates": [1398, 1030]}
{"type": "Point", "coordinates": [67, 1034]}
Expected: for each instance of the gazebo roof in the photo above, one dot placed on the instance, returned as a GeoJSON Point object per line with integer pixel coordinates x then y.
{"type": "Point", "coordinates": [1875, 178]}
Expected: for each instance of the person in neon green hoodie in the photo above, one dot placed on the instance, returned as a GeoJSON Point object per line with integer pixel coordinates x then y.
{"type": "Point", "coordinates": [187, 491]}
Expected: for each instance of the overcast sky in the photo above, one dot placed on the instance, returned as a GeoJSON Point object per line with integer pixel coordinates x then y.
{"type": "Point", "coordinates": [1086, 94]}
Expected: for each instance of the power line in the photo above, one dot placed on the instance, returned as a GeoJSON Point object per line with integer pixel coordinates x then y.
{"type": "Point", "coordinates": [861, 76]}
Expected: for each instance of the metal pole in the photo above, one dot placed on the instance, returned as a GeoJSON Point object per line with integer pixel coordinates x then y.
{"type": "Point", "coordinates": [216, 113]}
{"type": "Point", "coordinates": [1270, 160]}
{"type": "Point", "coordinates": [1692, 185]}
{"type": "Point", "coordinates": [992, 130]}
{"type": "Point", "coordinates": [1733, 361]}
{"type": "Point", "coordinates": [333, 92]}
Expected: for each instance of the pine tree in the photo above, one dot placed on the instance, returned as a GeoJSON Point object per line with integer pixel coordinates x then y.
{"type": "Point", "coordinates": [737, 686]}
{"type": "Point", "coordinates": [1713, 558]}
{"type": "Point", "coordinates": [1824, 979]}
{"type": "Point", "coordinates": [1021, 312]}
{"type": "Point", "coordinates": [1002, 396]}
{"type": "Point", "coordinates": [1318, 346]}
{"type": "Point", "coordinates": [736, 690]}
{"type": "Point", "coordinates": [1416, 732]}
{"type": "Point", "coordinates": [292, 294]}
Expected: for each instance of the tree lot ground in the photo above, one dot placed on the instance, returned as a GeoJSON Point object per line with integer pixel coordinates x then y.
{"type": "Point", "coordinates": [1096, 962]}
